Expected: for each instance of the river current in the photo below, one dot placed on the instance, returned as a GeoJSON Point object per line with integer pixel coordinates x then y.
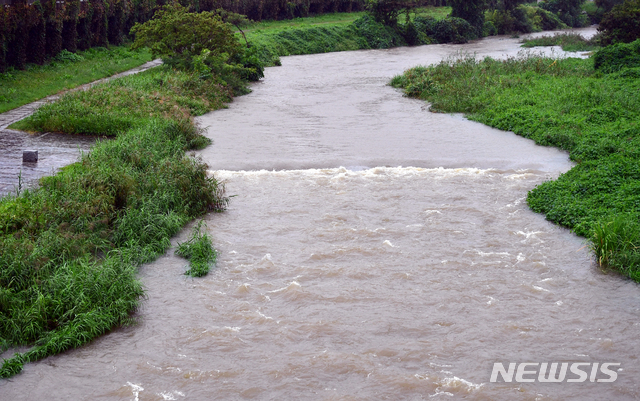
{"type": "Point", "coordinates": [371, 250]}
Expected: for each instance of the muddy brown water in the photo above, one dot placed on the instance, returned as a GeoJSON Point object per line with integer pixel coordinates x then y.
{"type": "Point", "coordinates": [373, 250]}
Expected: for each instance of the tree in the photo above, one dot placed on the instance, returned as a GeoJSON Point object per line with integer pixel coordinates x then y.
{"type": "Point", "coordinates": [569, 11]}
{"type": "Point", "coordinates": [178, 36]}
{"type": "Point", "coordinates": [607, 5]}
{"type": "Point", "coordinates": [621, 24]}
{"type": "Point", "coordinates": [387, 11]}
{"type": "Point", "coordinates": [470, 10]}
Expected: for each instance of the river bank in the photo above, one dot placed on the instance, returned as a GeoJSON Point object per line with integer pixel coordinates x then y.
{"type": "Point", "coordinates": [363, 282]}
{"type": "Point", "coordinates": [72, 245]}
{"type": "Point", "coordinates": [568, 104]}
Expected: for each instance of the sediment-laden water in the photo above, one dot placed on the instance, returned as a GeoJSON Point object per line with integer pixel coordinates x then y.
{"type": "Point", "coordinates": [372, 250]}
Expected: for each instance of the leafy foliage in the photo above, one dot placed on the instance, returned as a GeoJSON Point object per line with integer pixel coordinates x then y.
{"type": "Point", "coordinates": [621, 24]}
{"type": "Point", "coordinates": [523, 18]}
{"type": "Point", "coordinates": [471, 11]}
{"type": "Point", "coordinates": [617, 57]}
{"type": "Point", "coordinates": [178, 36]}
{"type": "Point", "coordinates": [569, 11]}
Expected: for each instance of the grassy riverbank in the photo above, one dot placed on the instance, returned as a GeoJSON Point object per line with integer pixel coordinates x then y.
{"type": "Point", "coordinates": [327, 33]}
{"type": "Point", "coordinates": [563, 103]}
{"type": "Point", "coordinates": [570, 42]}
{"type": "Point", "coordinates": [71, 247]}
{"type": "Point", "coordinates": [65, 71]}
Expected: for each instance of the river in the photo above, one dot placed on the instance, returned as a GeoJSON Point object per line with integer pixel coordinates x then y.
{"type": "Point", "coordinates": [372, 250]}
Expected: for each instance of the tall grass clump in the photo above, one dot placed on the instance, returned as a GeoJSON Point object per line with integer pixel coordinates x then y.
{"type": "Point", "coordinates": [616, 245]}
{"type": "Point", "coordinates": [564, 103]}
{"type": "Point", "coordinates": [570, 42]}
{"type": "Point", "coordinates": [198, 251]}
{"type": "Point", "coordinates": [71, 247]}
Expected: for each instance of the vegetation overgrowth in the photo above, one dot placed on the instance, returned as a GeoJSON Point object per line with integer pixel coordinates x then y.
{"type": "Point", "coordinates": [65, 71]}
{"type": "Point", "coordinates": [622, 23]}
{"type": "Point", "coordinates": [71, 246]}
{"type": "Point", "coordinates": [570, 42]}
{"type": "Point", "coordinates": [424, 26]}
{"type": "Point", "coordinates": [565, 103]}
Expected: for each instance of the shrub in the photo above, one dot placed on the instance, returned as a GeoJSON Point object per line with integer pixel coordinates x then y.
{"type": "Point", "coordinates": [178, 36]}
{"type": "Point", "coordinates": [489, 29]}
{"type": "Point", "coordinates": [387, 11]}
{"type": "Point", "coordinates": [471, 11]}
{"type": "Point", "coordinates": [594, 12]}
{"type": "Point", "coordinates": [446, 30]}
{"type": "Point", "coordinates": [524, 19]}
{"type": "Point", "coordinates": [617, 57]}
{"type": "Point", "coordinates": [621, 24]}
{"type": "Point", "coordinates": [376, 34]}
{"type": "Point", "coordinates": [569, 11]}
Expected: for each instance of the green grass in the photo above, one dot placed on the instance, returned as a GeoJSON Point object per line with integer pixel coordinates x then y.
{"type": "Point", "coordinates": [71, 247]}
{"type": "Point", "coordinates": [36, 82]}
{"type": "Point", "coordinates": [326, 33]}
{"type": "Point", "coordinates": [569, 105]}
{"type": "Point", "coordinates": [123, 103]}
{"type": "Point", "coordinates": [256, 29]}
{"type": "Point", "coordinates": [198, 251]}
{"type": "Point", "coordinates": [570, 42]}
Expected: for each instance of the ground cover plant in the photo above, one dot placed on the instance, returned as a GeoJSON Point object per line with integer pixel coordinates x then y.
{"type": "Point", "coordinates": [570, 42]}
{"type": "Point", "coordinates": [65, 71]}
{"type": "Point", "coordinates": [71, 246]}
{"type": "Point", "coordinates": [566, 103]}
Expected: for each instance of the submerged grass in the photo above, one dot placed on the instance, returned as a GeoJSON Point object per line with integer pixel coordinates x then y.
{"type": "Point", "coordinates": [570, 42]}
{"type": "Point", "coordinates": [66, 71]}
{"type": "Point", "coordinates": [71, 247]}
{"type": "Point", "coordinates": [564, 103]}
{"type": "Point", "coordinates": [198, 251]}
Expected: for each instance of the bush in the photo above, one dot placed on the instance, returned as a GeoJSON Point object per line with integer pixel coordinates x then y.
{"type": "Point", "coordinates": [569, 11]}
{"type": "Point", "coordinates": [446, 30]}
{"type": "Point", "coordinates": [376, 34]}
{"type": "Point", "coordinates": [471, 11]}
{"type": "Point", "coordinates": [178, 36]}
{"type": "Point", "coordinates": [621, 24]}
{"type": "Point", "coordinates": [489, 29]}
{"type": "Point", "coordinates": [524, 19]}
{"type": "Point", "coordinates": [594, 12]}
{"type": "Point", "coordinates": [617, 57]}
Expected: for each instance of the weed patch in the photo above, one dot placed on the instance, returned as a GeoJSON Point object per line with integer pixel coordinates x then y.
{"type": "Point", "coordinates": [570, 42]}
{"type": "Point", "coordinates": [72, 246]}
{"type": "Point", "coordinates": [198, 251]}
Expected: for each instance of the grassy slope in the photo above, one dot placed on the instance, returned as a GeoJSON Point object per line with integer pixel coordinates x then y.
{"type": "Point", "coordinates": [70, 248]}
{"type": "Point", "coordinates": [325, 33]}
{"type": "Point", "coordinates": [21, 87]}
{"type": "Point", "coordinates": [562, 103]}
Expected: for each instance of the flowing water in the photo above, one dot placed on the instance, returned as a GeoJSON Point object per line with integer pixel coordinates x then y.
{"type": "Point", "coordinates": [372, 250]}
